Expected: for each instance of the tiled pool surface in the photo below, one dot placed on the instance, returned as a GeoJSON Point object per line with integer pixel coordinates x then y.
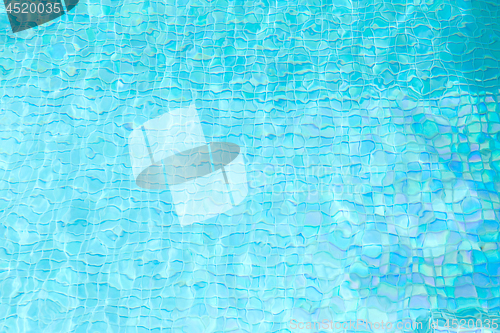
{"type": "Point", "coordinates": [370, 132]}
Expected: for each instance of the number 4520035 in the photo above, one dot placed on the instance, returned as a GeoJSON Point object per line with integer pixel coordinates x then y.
{"type": "Point", "coordinates": [40, 8]}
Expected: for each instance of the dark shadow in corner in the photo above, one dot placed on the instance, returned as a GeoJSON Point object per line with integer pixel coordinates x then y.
{"type": "Point", "coordinates": [28, 14]}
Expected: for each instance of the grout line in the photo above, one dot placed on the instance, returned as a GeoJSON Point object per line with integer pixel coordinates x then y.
{"type": "Point", "coordinates": [63, 4]}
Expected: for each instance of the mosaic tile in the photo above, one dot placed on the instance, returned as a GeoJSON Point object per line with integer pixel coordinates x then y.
{"type": "Point", "coordinates": [370, 133]}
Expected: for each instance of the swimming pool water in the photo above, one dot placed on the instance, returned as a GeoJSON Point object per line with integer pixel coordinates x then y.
{"type": "Point", "coordinates": [370, 131]}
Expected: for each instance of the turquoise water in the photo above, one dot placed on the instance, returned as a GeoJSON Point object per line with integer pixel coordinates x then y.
{"type": "Point", "coordinates": [370, 132]}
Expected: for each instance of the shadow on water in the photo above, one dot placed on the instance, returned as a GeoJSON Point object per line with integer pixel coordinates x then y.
{"type": "Point", "coordinates": [28, 14]}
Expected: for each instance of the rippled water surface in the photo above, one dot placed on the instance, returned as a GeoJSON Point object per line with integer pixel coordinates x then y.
{"type": "Point", "coordinates": [370, 132]}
